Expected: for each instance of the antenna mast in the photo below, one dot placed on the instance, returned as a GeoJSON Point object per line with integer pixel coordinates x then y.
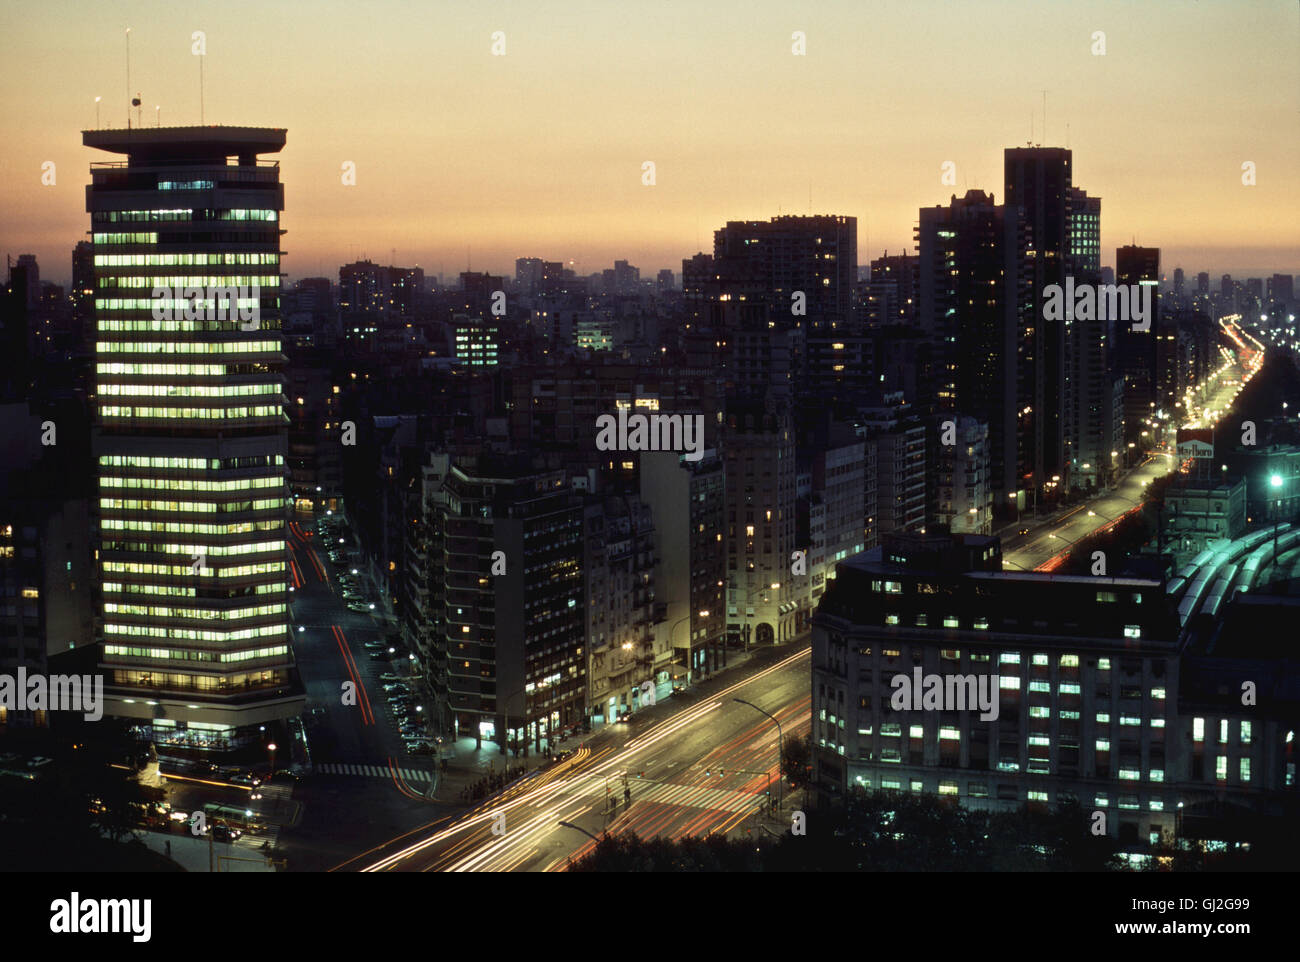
{"type": "Point", "coordinates": [128, 78]}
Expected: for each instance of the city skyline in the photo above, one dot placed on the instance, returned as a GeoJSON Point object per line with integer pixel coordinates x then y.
{"type": "Point", "coordinates": [936, 509]}
{"type": "Point", "coordinates": [506, 165]}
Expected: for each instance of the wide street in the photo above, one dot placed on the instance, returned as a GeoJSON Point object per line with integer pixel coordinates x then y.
{"type": "Point", "coordinates": [697, 765]}
{"type": "Point", "coordinates": [1048, 542]}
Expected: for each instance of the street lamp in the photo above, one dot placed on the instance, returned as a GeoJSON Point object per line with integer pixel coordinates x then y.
{"type": "Point", "coordinates": [271, 748]}
{"type": "Point", "coordinates": [780, 747]}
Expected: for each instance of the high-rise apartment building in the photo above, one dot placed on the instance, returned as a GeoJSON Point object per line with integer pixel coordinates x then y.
{"type": "Point", "coordinates": [1038, 180]}
{"type": "Point", "coordinates": [510, 633]}
{"type": "Point", "coordinates": [1138, 349]}
{"type": "Point", "coordinates": [192, 433]}
{"type": "Point", "coordinates": [971, 294]}
{"type": "Point", "coordinates": [763, 604]}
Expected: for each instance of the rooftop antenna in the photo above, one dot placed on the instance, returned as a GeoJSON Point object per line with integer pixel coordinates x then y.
{"type": "Point", "coordinates": [128, 78]}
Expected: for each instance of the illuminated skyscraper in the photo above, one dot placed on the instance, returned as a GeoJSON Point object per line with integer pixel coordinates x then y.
{"type": "Point", "coordinates": [192, 433]}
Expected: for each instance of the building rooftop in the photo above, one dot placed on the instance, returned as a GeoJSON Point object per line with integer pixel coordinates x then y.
{"type": "Point", "coordinates": [211, 141]}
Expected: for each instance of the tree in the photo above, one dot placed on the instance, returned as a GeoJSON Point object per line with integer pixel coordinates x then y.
{"type": "Point", "coordinates": [796, 761]}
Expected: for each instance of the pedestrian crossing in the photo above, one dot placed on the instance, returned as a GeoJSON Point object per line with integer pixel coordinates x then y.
{"type": "Point", "coordinates": [671, 793]}
{"type": "Point", "coordinates": [372, 771]}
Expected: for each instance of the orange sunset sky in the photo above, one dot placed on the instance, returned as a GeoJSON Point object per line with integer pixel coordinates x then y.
{"type": "Point", "coordinates": [466, 157]}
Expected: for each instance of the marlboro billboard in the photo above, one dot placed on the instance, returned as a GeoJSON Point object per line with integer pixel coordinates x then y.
{"type": "Point", "coordinates": [1196, 443]}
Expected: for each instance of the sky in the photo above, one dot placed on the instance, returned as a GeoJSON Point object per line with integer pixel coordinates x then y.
{"type": "Point", "coordinates": [464, 158]}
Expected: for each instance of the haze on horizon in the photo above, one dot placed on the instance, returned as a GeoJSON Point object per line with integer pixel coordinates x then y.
{"type": "Point", "coordinates": [463, 157]}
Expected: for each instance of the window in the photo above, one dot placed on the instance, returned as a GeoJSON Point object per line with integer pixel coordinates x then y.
{"type": "Point", "coordinates": [1103, 664]}
{"type": "Point", "coordinates": [1245, 769]}
{"type": "Point", "coordinates": [1009, 683]}
{"type": "Point", "coordinates": [893, 588]}
{"type": "Point", "coordinates": [1040, 659]}
{"type": "Point", "coordinates": [950, 621]}
{"type": "Point", "coordinates": [1009, 658]}
{"type": "Point", "coordinates": [1198, 729]}
{"type": "Point", "coordinates": [1132, 631]}
{"type": "Point", "coordinates": [1106, 596]}
{"type": "Point", "coordinates": [1245, 733]}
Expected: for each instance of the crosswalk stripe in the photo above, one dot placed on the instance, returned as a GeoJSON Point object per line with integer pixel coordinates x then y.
{"type": "Point", "coordinates": [368, 771]}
